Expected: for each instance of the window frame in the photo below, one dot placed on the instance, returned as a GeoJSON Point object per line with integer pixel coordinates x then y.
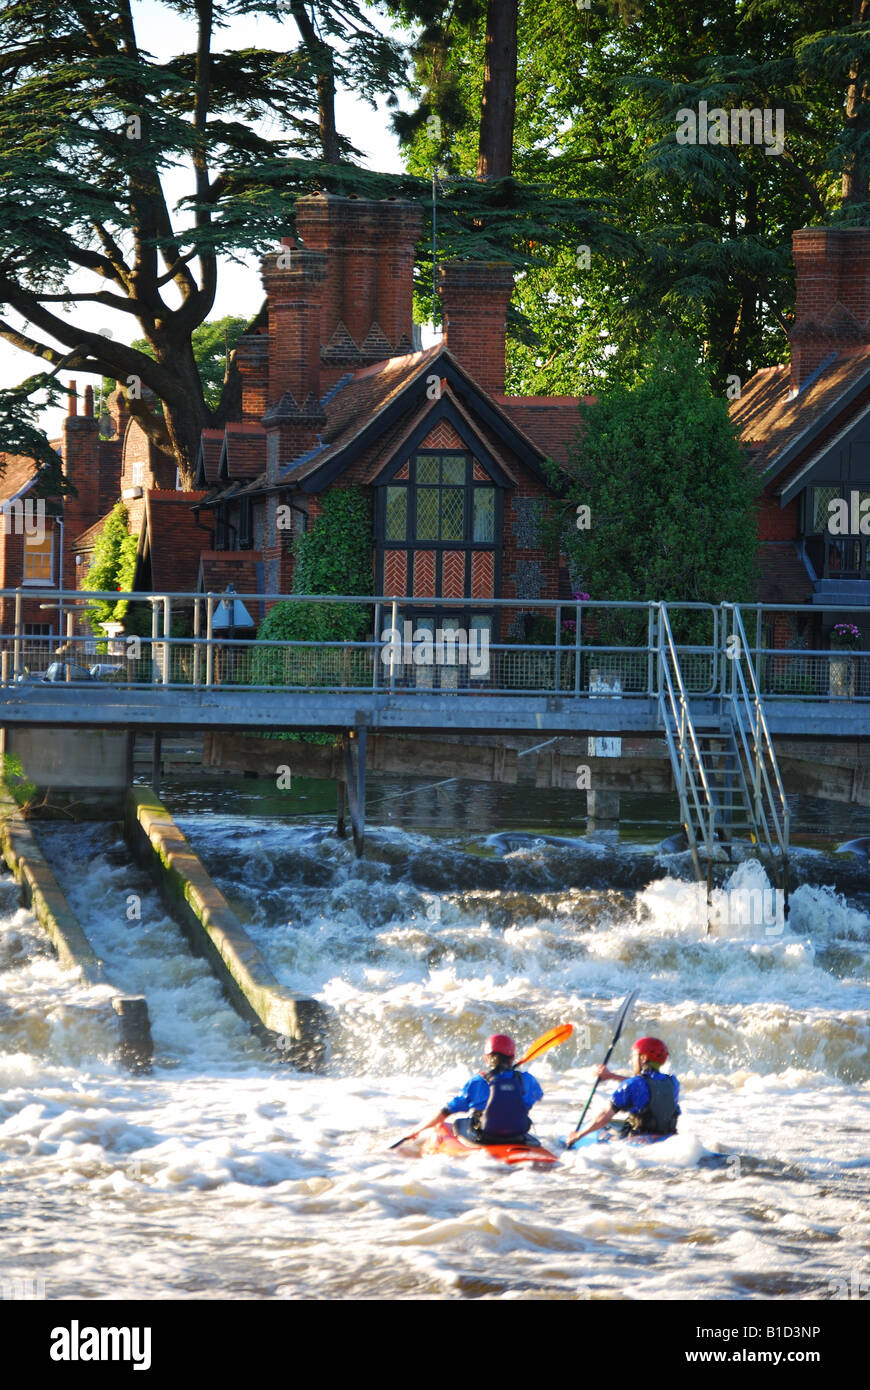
{"type": "Point", "coordinates": [411, 540]}
{"type": "Point", "coordinates": [27, 549]}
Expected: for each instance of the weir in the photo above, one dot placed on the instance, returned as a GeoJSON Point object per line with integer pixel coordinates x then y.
{"type": "Point", "coordinates": [291, 1025]}
{"type": "Point", "coordinates": [43, 894]}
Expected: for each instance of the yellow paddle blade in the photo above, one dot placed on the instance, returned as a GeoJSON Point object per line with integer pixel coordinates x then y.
{"type": "Point", "coordinates": [555, 1036]}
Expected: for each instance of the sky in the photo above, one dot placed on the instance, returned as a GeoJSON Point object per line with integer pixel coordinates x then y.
{"type": "Point", "coordinates": [163, 32]}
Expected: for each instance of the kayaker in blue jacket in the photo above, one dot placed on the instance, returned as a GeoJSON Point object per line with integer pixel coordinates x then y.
{"type": "Point", "coordinates": [649, 1097]}
{"type": "Point", "coordinates": [499, 1100]}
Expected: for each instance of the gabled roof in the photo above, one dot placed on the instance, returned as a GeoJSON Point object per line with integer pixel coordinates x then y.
{"type": "Point", "coordinates": [88, 539]}
{"type": "Point", "coordinates": [19, 472]}
{"type": "Point", "coordinates": [172, 539]}
{"type": "Point", "coordinates": [779, 427]}
{"type": "Point", "coordinates": [408, 437]}
{"type": "Point", "coordinates": [369, 413]}
{"type": "Point", "coordinates": [211, 445]}
{"type": "Point", "coordinates": [243, 452]}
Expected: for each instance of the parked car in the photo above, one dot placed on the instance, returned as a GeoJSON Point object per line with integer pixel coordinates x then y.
{"type": "Point", "coordinates": [67, 670]}
{"type": "Point", "coordinates": [106, 671]}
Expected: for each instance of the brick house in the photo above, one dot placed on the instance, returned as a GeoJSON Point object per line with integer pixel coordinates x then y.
{"type": "Point", "coordinates": [807, 428]}
{"type": "Point", "coordinates": [336, 392]}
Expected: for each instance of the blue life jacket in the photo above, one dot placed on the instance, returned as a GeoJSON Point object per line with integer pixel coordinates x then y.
{"type": "Point", "coordinates": [506, 1114]}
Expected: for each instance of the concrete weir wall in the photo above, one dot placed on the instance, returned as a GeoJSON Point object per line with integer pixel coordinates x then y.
{"type": "Point", "coordinates": [42, 892]}
{"type": "Point", "coordinates": [294, 1025]}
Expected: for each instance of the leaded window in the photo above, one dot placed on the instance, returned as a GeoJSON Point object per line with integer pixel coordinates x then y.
{"type": "Point", "coordinates": [440, 503]}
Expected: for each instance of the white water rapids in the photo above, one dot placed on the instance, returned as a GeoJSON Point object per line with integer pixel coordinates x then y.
{"type": "Point", "coordinates": [223, 1174]}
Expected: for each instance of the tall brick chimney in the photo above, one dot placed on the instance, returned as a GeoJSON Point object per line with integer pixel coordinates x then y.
{"type": "Point", "coordinates": [293, 278]}
{"type": "Point", "coordinates": [832, 312]}
{"type": "Point", "coordinates": [475, 297]}
{"type": "Point", "coordinates": [367, 312]}
{"type": "Point", "coordinates": [80, 439]}
{"type": "Point", "coordinates": [252, 361]}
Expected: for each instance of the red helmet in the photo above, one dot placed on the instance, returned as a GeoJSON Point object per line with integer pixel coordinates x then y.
{"type": "Point", "coordinates": [502, 1044]}
{"type": "Point", "coordinates": [653, 1048]}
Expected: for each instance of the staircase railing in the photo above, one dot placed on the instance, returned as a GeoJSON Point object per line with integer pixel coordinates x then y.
{"type": "Point", "coordinates": [698, 810]}
{"type": "Point", "coordinates": [765, 793]}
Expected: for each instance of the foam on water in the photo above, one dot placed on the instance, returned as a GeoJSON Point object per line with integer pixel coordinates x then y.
{"type": "Point", "coordinates": [224, 1175]}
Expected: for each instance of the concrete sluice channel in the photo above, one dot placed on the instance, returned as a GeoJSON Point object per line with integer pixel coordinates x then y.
{"type": "Point", "coordinates": [224, 1173]}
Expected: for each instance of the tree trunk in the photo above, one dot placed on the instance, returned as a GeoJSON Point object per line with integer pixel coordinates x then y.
{"type": "Point", "coordinates": [322, 59]}
{"type": "Point", "coordinates": [498, 108]}
{"type": "Point", "coordinates": [185, 413]}
{"type": "Point", "coordinates": [856, 178]}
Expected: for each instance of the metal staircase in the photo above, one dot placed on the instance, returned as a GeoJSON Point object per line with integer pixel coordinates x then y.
{"type": "Point", "coordinates": [725, 771]}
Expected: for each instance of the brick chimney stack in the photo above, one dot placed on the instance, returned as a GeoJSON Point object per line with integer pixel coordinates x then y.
{"type": "Point", "coordinates": [475, 297]}
{"type": "Point", "coordinates": [369, 246]}
{"type": "Point", "coordinates": [252, 360]}
{"type": "Point", "coordinates": [293, 278]}
{"type": "Point", "coordinates": [832, 312]}
{"type": "Point", "coordinates": [80, 439]}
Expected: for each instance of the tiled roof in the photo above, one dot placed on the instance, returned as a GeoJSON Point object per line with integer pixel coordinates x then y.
{"type": "Point", "coordinates": [783, 575]}
{"type": "Point", "coordinates": [245, 450]}
{"type": "Point", "coordinates": [88, 539]}
{"type": "Point", "coordinates": [174, 540]}
{"type": "Point", "coordinates": [17, 470]}
{"type": "Point", "coordinates": [549, 422]}
{"type": "Point", "coordinates": [771, 419]}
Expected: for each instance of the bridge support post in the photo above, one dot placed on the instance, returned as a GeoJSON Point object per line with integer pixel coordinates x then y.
{"type": "Point", "coordinates": [130, 756]}
{"type": "Point", "coordinates": [355, 781]}
{"type": "Point", "coordinates": [602, 807]}
{"type": "Point", "coordinates": [340, 829]}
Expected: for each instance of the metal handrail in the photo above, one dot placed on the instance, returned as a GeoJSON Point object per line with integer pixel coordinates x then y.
{"type": "Point", "coordinates": [753, 707]}
{"type": "Point", "coordinates": [682, 741]}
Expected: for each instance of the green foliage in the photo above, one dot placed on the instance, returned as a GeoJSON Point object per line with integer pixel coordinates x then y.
{"type": "Point", "coordinates": [333, 557]}
{"type": "Point", "coordinates": [113, 567]}
{"type": "Point", "coordinates": [20, 407]}
{"type": "Point", "coordinates": [100, 136]}
{"type": "Point", "coordinates": [17, 781]}
{"type": "Point", "coordinates": [706, 250]}
{"type": "Point", "coordinates": [670, 493]}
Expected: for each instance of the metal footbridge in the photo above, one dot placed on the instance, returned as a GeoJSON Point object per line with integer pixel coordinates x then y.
{"type": "Point", "coordinates": [687, 672]}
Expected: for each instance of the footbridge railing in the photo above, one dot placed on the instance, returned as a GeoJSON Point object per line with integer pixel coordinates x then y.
{"type": "Point", "coordinates": [417, 646]}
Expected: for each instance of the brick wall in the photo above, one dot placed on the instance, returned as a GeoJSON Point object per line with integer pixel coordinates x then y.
{"type": "Point", "coordinates": [475, 297]}
{"type": "Point", "coordinates": [832, 310]}
{"type": "Point", "coordinates": [776, 523]}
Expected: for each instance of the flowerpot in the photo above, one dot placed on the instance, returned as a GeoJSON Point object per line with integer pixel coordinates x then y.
{"type": "Point", "coordinates": [841, 677]}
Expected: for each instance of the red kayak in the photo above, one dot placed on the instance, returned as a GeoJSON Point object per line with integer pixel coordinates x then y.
{"type": "Point", "coordinates": [443, 1139]}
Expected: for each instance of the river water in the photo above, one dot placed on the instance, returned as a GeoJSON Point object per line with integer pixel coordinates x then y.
{"type": "Point", "coordinates": [224, 1174]}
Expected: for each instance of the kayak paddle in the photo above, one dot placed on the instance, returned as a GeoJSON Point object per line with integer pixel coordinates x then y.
{"type": "Point", "coordinates": [556, 1035]}
{"type": "Point", "coordinates": [623, 1015]}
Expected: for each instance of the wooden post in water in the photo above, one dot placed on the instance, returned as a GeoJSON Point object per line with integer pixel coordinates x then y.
{"type": "Point", "coordinates": [355, 777]}
{"type": "Point", "coordinates": [157, 749]}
